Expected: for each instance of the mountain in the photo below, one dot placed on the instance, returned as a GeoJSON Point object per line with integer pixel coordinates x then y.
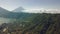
{"type": "Point", "coordinates": [8, 14]}
{"type": "Point", "coordinates": [20, 9]}
{"type": "Point", "coordinates": [4, 13]}
{"type": "Point", "coordinates": [16, 15]}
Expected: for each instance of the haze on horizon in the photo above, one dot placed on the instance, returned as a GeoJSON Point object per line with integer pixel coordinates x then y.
{"type": "Point", "coordinates": [30, 4]}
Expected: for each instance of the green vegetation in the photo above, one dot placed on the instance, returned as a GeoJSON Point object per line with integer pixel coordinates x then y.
{"type": "Point", "coordinates": [35, 24]}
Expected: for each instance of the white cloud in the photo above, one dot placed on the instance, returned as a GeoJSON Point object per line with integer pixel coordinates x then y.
{"type": "Point", "coordinates": [42, 10]}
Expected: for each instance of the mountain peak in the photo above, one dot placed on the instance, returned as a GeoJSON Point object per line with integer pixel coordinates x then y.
{"type": "Point", "coordinates": [19, 9]}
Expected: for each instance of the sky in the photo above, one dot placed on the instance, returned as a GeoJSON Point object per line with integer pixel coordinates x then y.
{"type": "Point", "coordinates": [30, 4]}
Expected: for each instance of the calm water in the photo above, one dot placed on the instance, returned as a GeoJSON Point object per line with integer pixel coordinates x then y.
{"type": "Point", "coordinates": [4, 20]}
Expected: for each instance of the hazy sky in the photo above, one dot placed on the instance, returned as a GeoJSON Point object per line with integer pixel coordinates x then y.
{"type": "Point", "coordinates": [30, 4]}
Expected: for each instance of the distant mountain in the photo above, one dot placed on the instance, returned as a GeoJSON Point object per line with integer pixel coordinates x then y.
{"type": "Point", "coordinates": [5, 13]}
{"type": "Point", "coordinates": [20, 9]}
{"type": "Point", "coordinates": [8, 14]}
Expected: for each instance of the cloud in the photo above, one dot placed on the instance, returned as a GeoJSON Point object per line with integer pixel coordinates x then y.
{"type": "Point", "coordinates": [42, 10]}
{"type": "Point", "coordinates": [53, 11]}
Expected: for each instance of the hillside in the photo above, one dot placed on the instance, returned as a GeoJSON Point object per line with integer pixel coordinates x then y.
{"type": "Point", "coordinates": [37, 24]}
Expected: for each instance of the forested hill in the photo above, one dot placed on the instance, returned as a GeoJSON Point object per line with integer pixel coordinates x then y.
{"type": "Point", "coordinates": [36, 24]}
